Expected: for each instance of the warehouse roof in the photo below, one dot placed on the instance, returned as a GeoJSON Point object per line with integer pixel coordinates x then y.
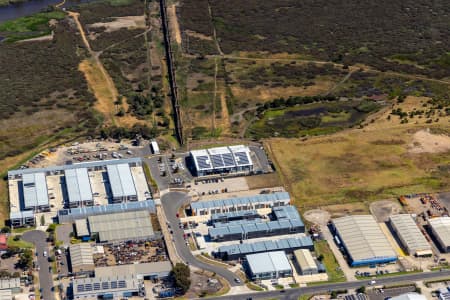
{"type": "Point", "coordinates": [268, 262]}
{"type": "Point", "coordinates": [241, 155]}
{"type": "Point", "coordinates": [286, 212]}
{"type": "Point", "coordinates": [363, 238]}
{"type": "Point", "coordinates": [90, 164]}
{"type": "Point", "coordinates": [221, 157]}
{"type": "Point", "coordinates": [78, 185]}
{"type": "Point", "coordinates": [263, 246]}
{"type": "Point", "coordinates": [304, 259]}
{"type": "Point", "coordinates": [409, 233]}
{"type": "Point", "coordinates": [6, 294]}
{"type": "Point", "coordinates": [35, 191]}
{"type": "Point", "coordinates": [233, 214]}
{"type": "Point", "coordinates": [161, 268]}
{"type": "Point", "coordinates": [9, 283]}
{"type": "Point", "coordinates": [104, 285]}
{"type": "Point", "coordinates": [121, 180]}
{"type": "Point", "coordinates": [441, 227]}
{"type": "Point", "coordinates": [21, 214]}
{"type": "Point", "coordinates": [409, 296]}
{"type": "Point", "coordinates": [260, 198]}
{"type": "Point", "coordinates": [121, 226]}
{"type": "Point", "coordinates": [81, 255]}
{"type": "Point", "coordinates": [81, 227]}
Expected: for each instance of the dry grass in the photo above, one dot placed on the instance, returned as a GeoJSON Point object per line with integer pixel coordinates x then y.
{"type": "Point", "coordinates": [360, 164]}
{"type": "Point", "coordinates": [263, 181]}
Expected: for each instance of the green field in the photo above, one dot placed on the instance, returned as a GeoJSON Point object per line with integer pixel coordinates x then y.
{"type": "Point", "coordinates": [334, 272]}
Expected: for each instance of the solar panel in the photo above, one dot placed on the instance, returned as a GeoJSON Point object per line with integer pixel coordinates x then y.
{"type": "Point", "coordinates": [88, 287]}
{"type": "Point", "coordinates": [203, 162]}
{"type": "Point", "coordinates": [114, 284]}
{"type": "Point", "coordinates": [80, 288]}
{"type": "Point", "coordinates": [105, 285]}
{"type": "Point", "coordinates": [96, 286]}
{"type": "Point", "coordinates": [242, 158]}
{"type": "Point", "coordinates": [228, 159]}
{"type": "Point", "coordinates": [122, 284]}
{"type": "Point", "coordinates": [217, 161]}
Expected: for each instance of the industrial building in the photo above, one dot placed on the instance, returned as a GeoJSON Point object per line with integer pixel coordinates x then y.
{"type": "Point", "coordinates": [82, 230]}
{"type": "Point", "coordinates": [132, 225]}
{"type": "Point", "coordinates": [254, 229]}
{"type": "Point", "coordinates": [409, 296]}
{"type": "Point", "coordinates": [110, 287]}
{"type": "Point", "coordinates": [79, 191]}
{"type": "Point", "coordinates": [122, 183]}
{"type": "Point", "coordinates": [73, 214]}
{"type": "Point", "coordinates": [81, 258]}
{"type": "Point", "coordinates": [268, 265]}
{"type": "Point", "coordinates": [9, 287]}
{"type": "Point", "coordinates": [221, 160]}
{"type": "Point", "coordinates": [35, 193]}
{"type": "Point", "coordinates": [239, 251]}
{"type": "Point", "coordinates": [22, 218]}
{"type": "Point", "coordinates": [305, 262]}
{"type": "Point", "coordinates": [440, 228]}
{"type": "Point", "coordinates": [287, 212]}
{"type": "Point", "coordinates": [363, 240]}
{"type": "Point", "coordinates": [146, 271]}
{"type": "Point", "coordinates": [412, 239]}
{"type": "Point", "coordinates": [234, 216]}
{"type": "Point", "coordinates": [240, 203]}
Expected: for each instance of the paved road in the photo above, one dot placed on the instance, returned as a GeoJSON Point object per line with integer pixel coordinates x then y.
{"type": "Point", "coordinates": [39, 239]}
{"type": "Point", "coordinates": [171, 202]}
{"type": "Point", "coordinates": [293, 294]}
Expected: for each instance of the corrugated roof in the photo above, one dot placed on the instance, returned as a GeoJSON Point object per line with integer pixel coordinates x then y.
{"type": "Point", "coordinates": [121, 180]}
{"type": "Point", "coordinates": [121, 226]}
{"type": "Point", "coordinates": [9, 283]}
{"type": "Point", "coordinates": [363, 238]}
{"type": "Point", "coordinates": [221, 157]}
{"type": "Point", "coordinates": [233, 214]}
{"type": "Point", "coordinates": [35, 191]}
{"type": "Point", "coordinates": [268, 262]}
{"type": "Point", "coordinates": [260, 198]}
{"type": "Point", "coordinates": [6, 294]}
{"type": "Point", "coordinates": [441, 227]}
{"type": "Point", "coordinates": [21, 214]}
{"type": "Point", "coordinates": [81, 255]}
{"type": "Point", "coordinates": [409, 296]}
{"type": "Point", "coordinates": [305, 259]}
{"type": "Point", "coordinates": [142, 269]}
{"type": "Point", "coordinates": [81, 227]}
{"type": "Point", "coordinates": [286, 212]}
{"type": "Point", "coordinates": [104, 285]}
{"type": "Point", "coordinates": [78, 185]}
{"type": "Point", "coordinates": [409, 233]}
{"type": "Point", "coordinates": [262, 246]}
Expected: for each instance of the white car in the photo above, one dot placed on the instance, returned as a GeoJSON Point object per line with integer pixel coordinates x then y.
{"type": "Point", "coordinates": [45, 253]}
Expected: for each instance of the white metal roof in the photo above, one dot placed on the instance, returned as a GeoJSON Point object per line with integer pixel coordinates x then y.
{"type": "Point", "coordinates": [222, 157]}
{"type": "Point", "coordinates": [78, 185]}
{"type": "Point", "coordinates": [268, 262]}
{"type": "Point", "coordinates": [121, 180]}
{"type": "Point", "coordinates": [81, 255]}
{"type": "Point", "coordinates": [409, 233]}
{"type": "Point", "coordinates": [441, 227]}
{"type": "Point", "coordinates": [35, 191]}
{"type": "Point", "coordinates": [305, 259]}
{"type": "Point", "coordinates": [409, 296]}
{"type": "Point", "coordinates": [363, 237]}
{"type": "Point", "coordinates": [81, 227]}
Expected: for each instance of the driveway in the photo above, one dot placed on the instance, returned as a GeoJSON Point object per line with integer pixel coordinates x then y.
{"type": "Point", "coordinates": [63, 234]}
{"type": "Point", "coordinates": [171, 202]}
{"type": "Point", "coordinates": [39, 239]}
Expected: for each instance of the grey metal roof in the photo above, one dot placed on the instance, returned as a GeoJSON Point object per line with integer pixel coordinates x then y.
{"type": "Point", "coordinates": [250, 200]}
{"type": "Point", "coordinates": [35, 191]}
{"type": "Point", "coordinates": [233, 214]}
{"type": "Point", "coordinates": [81, 227]}
{"type": "Point", "coordinates": [86, 211]}
{"type": "Point", "coordinates": [9, 283]}
{"type": "Point", "coordinates": [21, 214]}
{"type": "Point", "coordinates": [78, 185]}
{"type": "Point", "coordinates": [161, 268]}
{"type": "Point", "coordinates": [262, 246]}
{"type": "Point", "coordinates": [441, 227]}
{"type": "Point", "coordinates": [409, 233]}
{"type": "Point", "coordinates": [6, 294]}
{"type": "Point", "coordinates": [121, 180]}
{"type": "Point", "coordinates": [305, 259]}
{"type": "Point", "coordinates": [121, 226]}
{"type": "Point", "coordinates": [81, 255]}
{"type": "Point", "coordinates": [268, 262]}
{"type": "Point", "coordinates": [286, 212]}
{"type": "Point", "coordinates": [363, 238]}
{"type": "Point", "coordinates": [90, 164]}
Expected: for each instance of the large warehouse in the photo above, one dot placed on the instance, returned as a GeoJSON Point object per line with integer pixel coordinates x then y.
{"type": "Point", "coordinates": [111, 287]}
{"type": "Point", "coordinates": [79, 191]}
{"type": "Point", "coordinates": [221, 160]}
{"type": "Point", "coordinates": [413, 241]}
{"type": "Point", "coordinates": [363, 240]}
{"type": "Point", "coordinates": [121, 182]}
{"type": "Point", "coordinates": [132, 225]}
{"type": "Point", "coordinates": [35, 193]}
{"type": "Point", "coordinates": [441, 231]}
{"type": "Point", "coordinates": [240, 203]}
{"type": "Point", "coordinates": [268, 265]}
{"type": "Point", "coordinates": [238, 251]}
{"type": "Point", "coordinates": [81, 258]}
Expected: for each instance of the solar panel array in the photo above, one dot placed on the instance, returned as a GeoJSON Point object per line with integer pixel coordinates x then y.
{"type": "Point", "coordinates": [222, 157]}
{"type": "Point", "coordinates": [104, 285]}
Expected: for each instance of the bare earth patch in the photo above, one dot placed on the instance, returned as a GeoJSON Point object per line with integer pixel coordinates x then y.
{"type": "Point", "coordinates": [317, 216]}
{"type": "Point", "coordinates": [129, 22]}
{"type": "Point", "coordinates": [174, 26]}
{"type": "Point", "coordinates": [383, 209]}
{"type": "Point", "coordinates": [426, 142]}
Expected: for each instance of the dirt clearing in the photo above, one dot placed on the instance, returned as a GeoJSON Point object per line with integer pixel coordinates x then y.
{"type": "Point", "coordinates": [383, 209]}
{"type": "Point", "coordinates": [129, 22]}
{"type": "Point", "coordinates": [426, 142]}
{"type": "Point", "coordinates": [174, 26]}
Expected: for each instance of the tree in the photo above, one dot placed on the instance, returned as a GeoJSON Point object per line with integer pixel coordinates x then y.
{"type": "Point", "coordinates": [361, 290]}
{"type": "Point", "coordinates": [181, 274]}
{"type": "Point", "coordinates": [5, 229]}
{"type": "Point", "coordinates": [42, 220]}
{"type": "Point", "coordinates": [26, 259]}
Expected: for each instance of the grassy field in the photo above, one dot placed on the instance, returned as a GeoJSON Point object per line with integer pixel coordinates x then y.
{"type": "Point", "coordinates": [20, 243]}
{"type": "Point", "coordinates": [335, 274]}
{"type": "Point", "coordinates": [382, 160]}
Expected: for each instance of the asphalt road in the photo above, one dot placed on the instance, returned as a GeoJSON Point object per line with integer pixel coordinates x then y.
{"type": "Point", "coordinates": [39, 239]}
{"type": "Point", "coordinates": [293, 294]}
{"type": "Point", "coordinates": [171, 202]}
